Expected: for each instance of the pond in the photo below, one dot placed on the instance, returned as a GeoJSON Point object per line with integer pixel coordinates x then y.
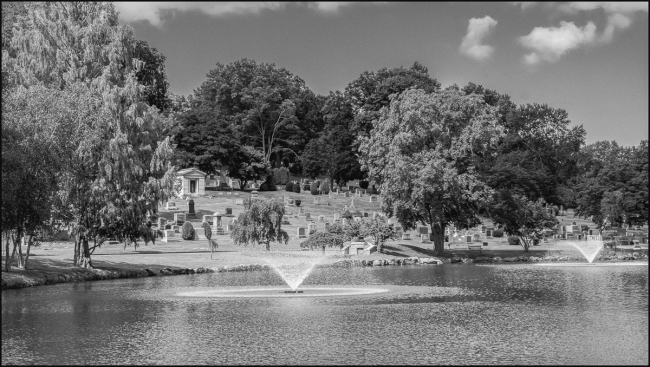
{"type": "Point", "coordinates": [445, 314]}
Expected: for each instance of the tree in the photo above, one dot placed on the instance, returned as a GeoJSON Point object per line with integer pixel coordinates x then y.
{"type": "Point", "coordinates": [323, 239]}
{"type": "Point", "coordinates": [613, 182]}
{"type": "Point", "coordinates": [120, 169]}
{"type": "Point", "coordinates": [208, 234]}
{"type": "Point", "coordinates": [152, 75]}
{"type": "Point", "coordinates": [260, 223]}
{"type": "Point", "coordinates": [379, 229]}
{"type": "Point", "coordinates": [420, 151]}
{"type": "Point", "coordinates": [333, 154]}
{"type": "Point", "coordinates": [371, 92]}
{"type": "Point", "coordinates": [260, 99]}
{"type": "Point", "coordinates": [521, 217]}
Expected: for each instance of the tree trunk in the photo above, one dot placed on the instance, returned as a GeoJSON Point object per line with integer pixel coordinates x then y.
{"type": "Point", "coordinates": [29, 246]}
{"type": "Point", "coordinates": [524, 243]}
{"type": "Point", "coordinates": [77, 244]}
{"type": "Point", "coordinates": [85, 260]}
{"type": "Point", "coordinates": [380, 247]}
{"type": "Point", "coordinates": [438, 231]}
{"type": "Point", "coordinates": [7, 263]}
{"type": "Point", "coordinates": [268, 246]}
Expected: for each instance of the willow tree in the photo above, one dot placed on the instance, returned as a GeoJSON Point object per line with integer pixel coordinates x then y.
{"type": "Point", "coordinates": [420, 149]}
{"type": "Point", "coordinates": [120, 170]}
{"type": "Point", "coordinates": [260, 223]}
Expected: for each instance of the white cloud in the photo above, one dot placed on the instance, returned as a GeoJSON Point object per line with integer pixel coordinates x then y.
{"type": "Point", "coordinates": [153, 11]}
{"type": "Point", "coordinates": [477, 30]}
{"type": "Point", "coordinates": [549, 44]}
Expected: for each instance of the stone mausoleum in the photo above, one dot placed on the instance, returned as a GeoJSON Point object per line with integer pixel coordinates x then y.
{"type": "Point", "coordinates": [193, 181]}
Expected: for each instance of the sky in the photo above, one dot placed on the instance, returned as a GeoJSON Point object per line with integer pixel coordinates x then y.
{"type": "Point", "coordinates": [588, 58]}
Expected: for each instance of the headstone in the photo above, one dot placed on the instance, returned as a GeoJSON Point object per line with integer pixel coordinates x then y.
{"type": "Point", "coordinates": [468, 239]}
{"type": "Point", "coordinates": [423, 230]}
{"type": "Point", "coordinates": [374, 199]}
{"type": "Point", "coordinates": [311, 227]}
{"type": "Point", "coordinates": [168, 226]}
{"type": "Point", "coordinates": [169, 236]}
{"type": "Point", "coordinates": [338, 191]}
{"type": "Point", "coordinates": [329, 194]}
{"type": "Point", "coordinates": [365, 215]}
{"type": "Point", "coordinates": [255, 194]}
{"type": "Point", "coordinates": [406, 236]}
{"type": "Point", "coordinates": [316, 200]}
{"type": "Point", "coordinates": [171, 205]}
{"type": "Point", "coordinates": [358, 193]}
{"type": "Point", "coordinates": [337, 216]}
{"type": "Point", "coordinates": [228, 211]}
{"type": "Point", "coordinates": [424, 238]}
{"type": "Point", "coordinates": [301, 211]}
{"type": "Point", "coordinates": [574, 223]}
{"type": "Point", "coordinates": [179, 218]}
{"type": "Point", "coordinates": [352, 203]}
{"type": "Point", "coordinates": [199, 233]}
{"type": "Point", "coordinates": [307, 216]}
{"type": "Point", "coordinates": [347, 194]}
{"type": "Point", "coordinates": [357, 219]}
{"type": "Point", "coordinates": [488, 233]}
{"type": "Point", "coordinates": [161, 222]}
{"type": "Point", "coordinates": [302, 232]}
{"type": "Point", "coordinates": [327, 224]}
{"type": "Point", "coordinates": [216, 221]}
{"type": "Point", "coordinates": [483, 229]}
{"type": "Point", "coordinates": [207, 218]}
{"type": "Point", "coordinates": [239, 202]}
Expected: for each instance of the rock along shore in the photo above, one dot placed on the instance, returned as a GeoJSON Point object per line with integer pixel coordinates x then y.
{"type": "Point", "coordinates": [84, 275]}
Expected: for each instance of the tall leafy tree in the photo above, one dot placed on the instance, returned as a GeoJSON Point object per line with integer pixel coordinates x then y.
{"type": "Point", "coordinates": [420, 151]}
{"type": "Point", "coordinates": [260, 99]}
{"type": "Point", "coordinates": [152, 75]}
{"type": "Point", "coordinates": [260, 223]}
{"type": "Point", "coordinates": [613, 183]}
{"type": "Point", "coordinates": [371, 91]}
{"type": "Point", "coordinates": [121, 168]}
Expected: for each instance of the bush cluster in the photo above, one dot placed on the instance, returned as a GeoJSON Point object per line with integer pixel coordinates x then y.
{"type": "Point", "coordinates": [364, 184]}
{"type": "Point", "coordinates": [296, 188]}
{"type": "Point", "coordinates": [281, 175]}
{"type": "Point", "coordinates": [289, 186]}
{"type": "Point", "coordinates": [297, 202]}
{"type": "Point", "coordinates": [497, 233]}
{"type": "Point", "coordinates": [269, 184]}
{"type": "Point", "coordinates": [187, 232]}
{"type": "Point", "coordinates": [325, 187]}
{"type": "Point", "coordinates": [313, 187]}
{"type": "Point", "coordinates": [513, 240]}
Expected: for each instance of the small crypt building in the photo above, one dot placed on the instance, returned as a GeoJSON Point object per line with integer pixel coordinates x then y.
{"type": "Point", "coordinates": [193, 181]}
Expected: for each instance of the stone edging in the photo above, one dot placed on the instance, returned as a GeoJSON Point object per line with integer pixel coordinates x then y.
{"type": "Point", "coordinates": [82, 275]}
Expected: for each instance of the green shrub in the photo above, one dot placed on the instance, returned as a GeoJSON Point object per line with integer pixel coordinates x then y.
{"type": "Point", "coordinates": [187, 232]}
{"type": "Point", "coordinates": [297, 202]}
{"type": "Point", "coordinates": [281, 175]}
{"type": "Point", "coordinates": [497, 233]}
{"type": "Point", "coordinates": [207, 229]}
{"type": "Point", "coordinates": [289, 186]}
{"type": "Point", "coordinates": [346, 214]}
{"type": "Point", "coordinates": [313, 188]}
{"type": "Point", "coordinates": [269, 184]}
{"type": "Point", "coordinates": [513, 240]}
{"type": "Point", "coordinates": [296, 188]}
{"type": "Point", "coordinates": [325, 187]}
{"type": "Point", "coordinates": [363, 184]}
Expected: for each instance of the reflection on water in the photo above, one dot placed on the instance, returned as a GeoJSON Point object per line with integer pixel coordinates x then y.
{"type": "Point", "coordinates": [465, 314]}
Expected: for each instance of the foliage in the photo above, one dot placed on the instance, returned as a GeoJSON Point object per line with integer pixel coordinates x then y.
{"type": "Point", "coordinates": [261, 100]}
{"type": "Point", "coordinates": [289, 186]}
{"type": "Point", "coordinates": [260, 223]}
{"type": "Point", "coordinates": [497, 233]}
{"type": "Point", "coordinates": [281, 175]}
{"type": "Point", "coordinates": [208, 234]}
{"type": "Point", "coordinates": [187, 231]}
{"type": "Point", "coordinates": [346, 214]}
{"type": "Point", "coordinates": [119, 169]}
{"type": "Point", "coordinates": [297, 202]}
{"type": "Point", "coordinates": [379, 229]}
{"type": "Point", "coordinates": [313, 188]}
{"type": "Point", "coordinates": [616, 177]}
{"type": "Point", "coordinates": [323, 239]}
{"type": "Point", "coordinates": [249, 165]}
{"type": "Point", "coordinates": [513, 240]}
{"type": "Point", "coordinates": [420, 150]}
{"type": "Point", "coordinates": [296, 188]}
{"type": "Point", "coordinates": [269, 184]}
{"type": "Point", "coordinates": [333, 154]}
{"type": "Point", "coordinates": [152, 75]}
{"type": "Point", "coordinates": [521, 217]}
{"type": "Point", "coordinates": [324, 187]}
{"type": "Point", "coordinates": [363, 184]}
{"type": "Point", "coordinates": [372, 91]}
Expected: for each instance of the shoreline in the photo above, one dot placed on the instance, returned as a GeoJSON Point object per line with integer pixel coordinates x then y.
{"type": "Point", "coordinates": [18, 279]}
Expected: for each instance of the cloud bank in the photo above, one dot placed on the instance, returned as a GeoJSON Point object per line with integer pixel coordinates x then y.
{"type": "Point", "coordinates": [551, 43]}
{"type": "Point", "coordinates": [153, 11]}
{"type": "Point", "coordinates": [478, 29]}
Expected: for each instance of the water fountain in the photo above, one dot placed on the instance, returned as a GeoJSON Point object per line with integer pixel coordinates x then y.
{"type": "Point", "coordinates": [590, 250]}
